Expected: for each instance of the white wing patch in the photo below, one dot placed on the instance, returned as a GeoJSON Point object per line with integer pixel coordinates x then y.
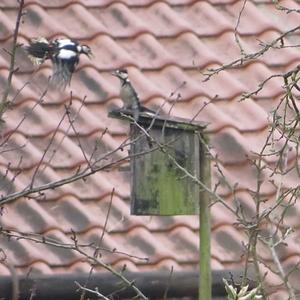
{"type": "Point", "coordinates": [36, 60]}
{"type": "Point", "coordinates": [66, 54]}
{"type": "Point", "coordinates": [64, 42]}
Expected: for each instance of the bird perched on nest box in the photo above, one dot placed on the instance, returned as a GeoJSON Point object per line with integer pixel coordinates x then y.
{"type": "Point", "coordinates": [64, 54]}
{"type": "Point", "coordinates": [129, 96]}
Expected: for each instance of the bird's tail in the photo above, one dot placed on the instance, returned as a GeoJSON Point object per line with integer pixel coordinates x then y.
{"type": "Point", "coordinates": [146, 110]}
{"type": "Point", "coordinates": [61, 76]}
{"type": "Point", "coordinates": [136, 110]}
{"type": "Point", "coordinates": [38, 50]}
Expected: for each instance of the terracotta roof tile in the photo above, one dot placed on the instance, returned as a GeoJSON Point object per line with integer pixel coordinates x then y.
{"type": "Point", "coordinates": [148, 53]}
{"type": "Point", "coordinates": [204, 110]}
{"type": "Point", "coordinates": [271, 57]}
{"type": "Point", "coordinates": [168, 22]}
{"type": "Point", "coordinates": [38, 17]}
{"type": "Point", "coordinates": [31, 124]}
{"type": "Point", "coordinates": [290, 266]}
{"type": "Point", "coordinates": [71, 214]}
{"type": "Point", "coordinates": [224, 46]}
{"type": "Point", "coordinates": [250, 13]}
{"type": "Point", "coordinates": [60, 256]}
{"type": "Point", "coordinates": [191, 50]}
{"type": "Point", "coordinates": [37, 268]}
{"type": "Point", "coordinates": [284, 21]}
{"type": "Point", "coordinates": [227, 244]}
{"type": "Point", "coordinates": [243, 176]}
{"type": "Point", "coordinates": [78, 21]}
{"type": "Point", "coordinates": [172, 80]}
{"type": "Point", "coordinates": [246, 116]}
{"type": "Point", "coordinates": [99, 89]}
{"type": "Point", "coordinates": [221, 2]}
{"type": "Point", "coordinates": [166, 47]}
{"type": "Point", "coordinates": [6, 25]}
{"type": "Point", "coordinates": [22, 252]}
{"type": "Point", "coordinates": [203, 16]}
{"type": "Point", "coordinates": [119, 20]}
{"type": "Point", "coordinates": [223, 86]}
{"type": "Point", "coordinates": [143, 244]}
{"type": "Point", "coordinates": [233, 145]}
{"type": "Point", "coordinates": [17, 84]}
{"type": "Point", "coordinates": [110, 55]}
{"type": "Point", "coordinates": [45, 4]}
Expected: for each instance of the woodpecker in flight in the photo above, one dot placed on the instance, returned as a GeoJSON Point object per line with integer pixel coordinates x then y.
{"type": "Point", "coordinates": [64, 54]}
{"type": "Point", "coordinates": [129, 96]}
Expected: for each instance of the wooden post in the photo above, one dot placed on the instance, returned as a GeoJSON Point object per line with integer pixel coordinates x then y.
{"type": "Point", "coordinates": [205, 281]}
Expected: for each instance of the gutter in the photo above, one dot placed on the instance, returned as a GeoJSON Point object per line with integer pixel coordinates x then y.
{"type": "Point", "coordinates": [154, 285]}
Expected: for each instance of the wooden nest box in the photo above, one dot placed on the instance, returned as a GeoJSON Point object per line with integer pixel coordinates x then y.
{"type": "Point", "coordinates": [159, 185]}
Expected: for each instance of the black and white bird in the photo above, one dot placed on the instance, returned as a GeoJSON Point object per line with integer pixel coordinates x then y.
{"type": "Point", "coordinates": [64, 54]}
{"type": "Point", "coordinates": [129, 96]}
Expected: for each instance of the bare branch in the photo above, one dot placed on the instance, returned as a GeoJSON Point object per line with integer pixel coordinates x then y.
{"type": "Point", "coordinates": [5, 102]}
{"type": "Point", "coordinates": [236, 35]}
{"type": "Point", "coordinates": [243, 60]}
{"type": "Point", "coordinates": [95, 292]}
{"type": "Point", "coordinates": [105, 223]}
{"type": "Point", "coordinates": [76, 247]}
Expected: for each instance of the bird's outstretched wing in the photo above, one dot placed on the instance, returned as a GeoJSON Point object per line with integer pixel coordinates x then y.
{"type": "Point", "coordinates": [64, 54]}
{"type": "Point", "coordinates": [39, 50]}
{"type": "Point", "coordinates": [64, 63]}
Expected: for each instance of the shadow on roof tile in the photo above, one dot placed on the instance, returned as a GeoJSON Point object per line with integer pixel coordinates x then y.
{"type": "Point", "coordinates": [34, 216]}
{"type": "Point", "coordinates": [251, 13]}
{"type": "Point", "coordinates": [119, 20]}
{"type": "Point", "coordinates": [7, 25]}
{"type": "Point", "coordinates": [36, 16]}
{"type": "Point", "coordinates": [231, 147]}
{"type": "Point", "coordinates": [163, 20]}
{"type": "Point", "coordinates": [190, 51]}
{"type": "Point", "coordinates": [283, 21]}
{"type": "Point", "coordinates": [109, 54]}
{"type": "Point", "coordinates": [227, 244]}
{"type": "Point", "coordinates": [148, 52]}
{"type": "Point", "coordinates": [202, 15]}
{"type": "Point", "coordinates": [47, 4]}
{"type": "Point", "coordinates": [221, 87]}
{"type": "Point", "coordinates": [242, 178]}
{"type": "Point", "coordinates": [21, 252]}
{"type": "Point", "coordinates": [175, 84]}
{"type": "Point", "coordinates": [78, 22]}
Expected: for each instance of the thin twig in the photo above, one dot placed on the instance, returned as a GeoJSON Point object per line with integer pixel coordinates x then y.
{"type": "Point", "coordinates": [281, 272]}
{"type": "Point", "coordinates": [71, 122]}
{"type": "Point", "coordinates": [165, 296]}
{"type": "Point", "coordinates": [236, 34]}
{"type": "Point", "coordinates": [75, 247]}
{"type": "Point", "coordinates": [5, 102]}
{"type": "Point", "coordinates": [95, 292]}
{"type": "Point", "coordinates": [45, 151]}
{"type": "Point", "coordinates": [105, 223]}
{"type": "Point", "coordinates": [241, 61]}
{"type": "Point", "coordinates": [77, 176]}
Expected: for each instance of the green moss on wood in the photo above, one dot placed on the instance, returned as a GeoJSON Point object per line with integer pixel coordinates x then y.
{"type": "Point", "coordinates": [159, 186]}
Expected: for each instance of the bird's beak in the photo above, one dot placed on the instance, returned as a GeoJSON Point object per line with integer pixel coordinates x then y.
{"type": "Point", "coordinates": [90, 55]}
{"type": "Point", "coordinates": [114, 73]}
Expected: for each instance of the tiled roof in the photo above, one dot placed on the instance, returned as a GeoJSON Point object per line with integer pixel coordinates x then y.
{"type": "Point", "coordinates": [162, 44]}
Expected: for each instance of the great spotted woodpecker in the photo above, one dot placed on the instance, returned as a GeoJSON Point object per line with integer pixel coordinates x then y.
{"type": "Point", "coordinates": [129, 96]}
{"type": "Point", "coordinates": [64, 54]}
